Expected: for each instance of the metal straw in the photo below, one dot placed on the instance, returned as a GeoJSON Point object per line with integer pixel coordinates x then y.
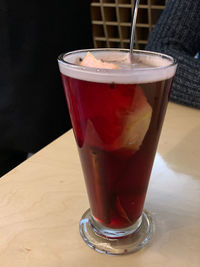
{"type": "Point", "coordinates": [134, 17]}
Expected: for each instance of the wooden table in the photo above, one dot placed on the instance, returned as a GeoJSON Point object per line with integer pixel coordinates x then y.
{"type": "Point", "coordinates": [42, 200]}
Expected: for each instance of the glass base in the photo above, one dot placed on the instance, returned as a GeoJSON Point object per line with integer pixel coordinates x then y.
{"type": "Point", "coordinates": [116, 241]}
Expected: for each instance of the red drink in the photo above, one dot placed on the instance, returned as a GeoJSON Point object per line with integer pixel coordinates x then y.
{"type": "Point", "coordinates": [117, 115]}
{"type": "Point", "coordinates": [116, 177]}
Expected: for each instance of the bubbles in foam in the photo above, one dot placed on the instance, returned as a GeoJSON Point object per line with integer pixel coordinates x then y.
{"type": "Point", "coordinates": [148, 67]}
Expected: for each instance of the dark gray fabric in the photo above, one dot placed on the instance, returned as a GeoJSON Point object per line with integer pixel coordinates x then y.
{"type": "Point", "coordinates": [177, 33]}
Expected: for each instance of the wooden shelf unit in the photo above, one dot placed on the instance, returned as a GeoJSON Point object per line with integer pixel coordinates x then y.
{"type": "Point", "coordinates": [111, 21]}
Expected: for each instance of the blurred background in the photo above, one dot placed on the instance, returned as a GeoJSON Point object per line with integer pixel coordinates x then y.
{"type": "Point", "coordinates": [111, 21]}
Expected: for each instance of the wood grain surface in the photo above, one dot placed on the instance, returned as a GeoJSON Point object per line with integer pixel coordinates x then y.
{"type": "Point", "coordinates": [42, 200]}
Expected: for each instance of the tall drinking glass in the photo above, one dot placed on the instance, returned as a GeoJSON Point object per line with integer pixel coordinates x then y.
{"type": "Point", "coordinates": [117, 116]}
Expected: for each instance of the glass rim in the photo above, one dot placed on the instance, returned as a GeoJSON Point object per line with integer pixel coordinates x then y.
{"type": "Point", "coordinates": [172, 61]}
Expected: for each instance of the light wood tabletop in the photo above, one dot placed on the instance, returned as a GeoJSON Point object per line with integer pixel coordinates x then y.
{"type": "Point", "coordinates": [42, 200]}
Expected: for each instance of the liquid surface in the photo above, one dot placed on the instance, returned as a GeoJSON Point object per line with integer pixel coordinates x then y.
{"type": "Point", "coordinates": [147, 68]}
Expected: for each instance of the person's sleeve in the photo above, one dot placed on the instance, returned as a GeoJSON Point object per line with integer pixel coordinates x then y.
{"type": "Point", "coordinates": [177, 33]}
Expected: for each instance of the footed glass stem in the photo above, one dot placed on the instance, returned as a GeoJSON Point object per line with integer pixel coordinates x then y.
{"type": "Point", "coordinates": [116, 241]}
